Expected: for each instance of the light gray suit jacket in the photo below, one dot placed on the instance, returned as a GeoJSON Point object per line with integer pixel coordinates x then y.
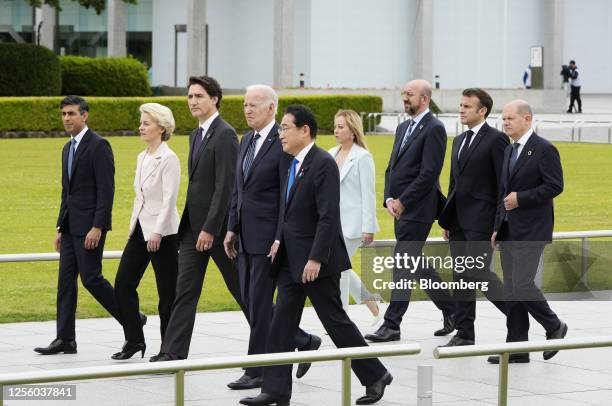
{"type": "Point", "coordinates": [357, 193]}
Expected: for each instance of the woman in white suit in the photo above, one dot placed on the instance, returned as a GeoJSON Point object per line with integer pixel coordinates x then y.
{"type": "Point", "coordinates": [357, 201]}
{"type": "Point", "coordinates": [153, 228]}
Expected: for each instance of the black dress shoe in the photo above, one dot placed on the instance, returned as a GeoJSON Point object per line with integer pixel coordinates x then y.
{"type": "Point", "coordinates": [457, 341]}
{"type": "Point", "coordinates": [130, 349]}
{"type": "Point", "coordinates": [555, 335]}
{"type": "Point", "coordinates": [517, 358]}
{"type": "Point", "coordinates": [58, 345]}
{"type": "Point", "coordinates": [314, 344]}
{"type": "Point", "coordinates": [383, 334]}
{"type": "Point", "coordinates": [448, 327]}
{"type": "Point", "coordinates": [143, 319]}
{"type": "Point", "coordinates": [263, 399]}
{"type": "Point", "coordinates": [164, 357]}
{"type": "Point", "coordinates": [245, 382]}
{"type": "Point", "coordinates": [375, 391]}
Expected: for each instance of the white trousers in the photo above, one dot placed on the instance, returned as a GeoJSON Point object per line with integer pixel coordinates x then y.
{"type": "Point", "coordinates": [350, 283]}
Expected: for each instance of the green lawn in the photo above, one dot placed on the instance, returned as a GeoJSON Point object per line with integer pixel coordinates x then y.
{"type": "Point", "coordinates": [30, 192]}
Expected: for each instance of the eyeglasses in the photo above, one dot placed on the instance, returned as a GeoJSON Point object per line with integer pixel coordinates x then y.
{"type": "Point", "coordinates": [285, 129]}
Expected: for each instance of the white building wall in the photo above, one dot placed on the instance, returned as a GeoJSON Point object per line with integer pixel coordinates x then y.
{"type": "Point", "coordinates": [588, 41]}
{"type": "Point", "coordinates": [360, 43]}
{"type": "Point", "coordinates": [165, 15]}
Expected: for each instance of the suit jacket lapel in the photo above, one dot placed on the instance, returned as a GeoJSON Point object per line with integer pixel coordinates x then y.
{"type": "Point", "coordinates": [505, 167]}
{"type": "Point", "coordinates": [454, 158]}
{"type": "Point", "coordinates": [270, 139]}
{"type": "Point", "coordinates": [415, 133]}
{"type": "Point", "coordinates": [349, 162]}
{"type": "Point", "coordinates": [65, 152]}
{"type": "Point", "coordinates": [79, 152]}
{"type": "Point", "coordinates": [526, 153]}
{"type": "Point", "coordinates": [154, 163]}
{"type": "Point", "coordinates": [300, 174]}
{"type": "Point", "coordinates": [209, 134]}
{"type": "Point", "coordinates": [478, 137]}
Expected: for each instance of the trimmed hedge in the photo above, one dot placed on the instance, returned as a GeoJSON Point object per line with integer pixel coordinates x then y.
{"type": "Point", "coordinates": [111, 114]}
{"type": "Point", "coordinates": [104, 76]}
{"type": "Point", "coordinates": [28, 70]}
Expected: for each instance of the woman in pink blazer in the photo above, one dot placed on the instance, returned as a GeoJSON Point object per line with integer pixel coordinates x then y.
{"type": "Point", "coordinates": [153, 228]}
{"type": "Point", "coordinates": [357, 201]}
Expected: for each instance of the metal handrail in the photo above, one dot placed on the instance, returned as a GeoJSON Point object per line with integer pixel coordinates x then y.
{"type": "Point", "coordinates": [54, 256]}
{"type": "Point", "coordinates": [180, 367]}
{"type": "Point", "coordinates": [504, 351]}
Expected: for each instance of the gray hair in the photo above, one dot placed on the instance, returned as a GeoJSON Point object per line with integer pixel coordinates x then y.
{"type": "Point", "coordinates": [268, 93]}
{"type": "Point", "coordinates": [162, 115]}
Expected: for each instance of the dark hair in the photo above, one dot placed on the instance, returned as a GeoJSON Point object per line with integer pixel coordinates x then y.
{"type": "Point", "coordinates": [484, 99]}
{"type": "Point", "coordinates": [73, 100]}
{"type": "Point", "coordinates": [303, 116]}
{"type": "Point", "coordinates": [210, 85]}
{"type": "Point", "coordinates": [573, 62]}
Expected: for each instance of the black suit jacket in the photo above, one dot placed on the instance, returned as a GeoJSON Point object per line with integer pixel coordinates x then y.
{"type": "Point", "coordinates": [310, 220]}
{"type": "Point", "coordinates": [211, 179]}
{"type": "Point", "coordinates": [537, 177]}
{"type": "Point", "coordinates": [474, 186]}
{"type": "Point", "coordinates": [256, 199]}
{"type": "Point", "coordinates": [87, 199]}
{"type": "Point", "coordinates": [413, 172]}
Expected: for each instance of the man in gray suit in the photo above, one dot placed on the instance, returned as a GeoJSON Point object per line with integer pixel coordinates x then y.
{"type": "Point", "coordinates": [213, 149]}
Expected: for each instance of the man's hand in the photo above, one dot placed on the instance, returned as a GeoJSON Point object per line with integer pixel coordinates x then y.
{"type": "Point", "coordinates": [229, 245]}
{"type": "Point", "coordinates": [92, 239]}
{"type": "Point", "coordinates": [205, 241]}
{"type": "Point", "coordinates": [494, 240]}
{"type": "Point", "coordinates": [311, 271]}
{"type": "Point", "coordinates": [445, 235]}
{"type": "Point", "coordinates": [511, 201]}
{"type": "Point", "coordinates": [399, 208]}
{"type": "Point", "coordinates": [367, 238]}
{"type": "Point", "coordinates": [391, 207]}
{"type": "Point", "coordinates": [273, 250]}
{"type": "Point", "coordinates": [58, 241]}
{"type": "Point", "coordinates": [154, 242]}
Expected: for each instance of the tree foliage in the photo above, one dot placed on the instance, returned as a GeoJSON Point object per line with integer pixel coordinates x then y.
{"type": "Point", "coordinates": [97, 5]}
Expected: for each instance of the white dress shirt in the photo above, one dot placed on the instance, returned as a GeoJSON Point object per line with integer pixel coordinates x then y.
{"type": "Point", "coordinates": [79, 137]}
{"type": "Point", "coordinates": [206, 124]}
{"type": "Point", "coordinates": [300, 157]}
{"type": "Point", "coordinates": [523, 141]}
{"type": "Point", "coordinates": [475, 129]}
{"type": "Point", "coordinates": [263, 135]}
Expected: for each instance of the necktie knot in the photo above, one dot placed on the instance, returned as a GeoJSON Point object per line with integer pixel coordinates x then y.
{"type": "Point", "coordinates": [257, 136]}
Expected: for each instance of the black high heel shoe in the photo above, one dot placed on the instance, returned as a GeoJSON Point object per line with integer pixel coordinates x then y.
{"type": "Point", "coordinates": [130, 349]}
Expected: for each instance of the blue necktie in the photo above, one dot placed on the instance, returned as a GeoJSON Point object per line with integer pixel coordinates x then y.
{"type": "Point", "coordinates": [291, 178]}
{"type": "Point", "coordinates": [407, 134]}
{"type": "Point", "coordinates": [71, 157]}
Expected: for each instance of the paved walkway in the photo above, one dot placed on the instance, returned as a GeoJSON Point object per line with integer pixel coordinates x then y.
{"type": "Point", "coordinates": [572, 378]}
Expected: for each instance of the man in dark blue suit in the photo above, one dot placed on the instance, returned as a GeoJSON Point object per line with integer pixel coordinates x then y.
{"type": "Point", "coordinates": [261, 169]}
{"type": "Point", "coordinates": [88, 188]}
{"type": "Point", "coordinates": [309, 260]}
{"type": "Point", "coordinates": [414, 199]}
{"type": "Point", "coordinates": [531, 177]}
{"type": "Point", "coordinates": [469, 214]}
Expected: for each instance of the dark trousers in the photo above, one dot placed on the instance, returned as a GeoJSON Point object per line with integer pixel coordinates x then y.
{"type": "Point", "coordinates": [75, 260]}
{"type": "Point", "coordinates": [520, 262]}
{"type": "Point", "coordinates": [191, 272]}
{"type": "Point", "coordinates": [324, 294]}
{"type": "Point", "coordinates": [411, 238]}
{"type": "Point", "coordinates": [473, 244]}
{"type": "Point", "coordinates": [134, 262]}
{"type": "Point", "coordinates": [257, 288]}
{"type": "Point", "coordinates": [575, 96]}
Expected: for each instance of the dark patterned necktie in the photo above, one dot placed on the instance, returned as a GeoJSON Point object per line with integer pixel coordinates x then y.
{"type": "Point", "coordinates": [466, 146]}
{"type": "Point", "coordinates": [514, 156]}
{"type": "Point", "coordinates": [197, 143]}
{"type": "Point", "coordinates": [250, 155]}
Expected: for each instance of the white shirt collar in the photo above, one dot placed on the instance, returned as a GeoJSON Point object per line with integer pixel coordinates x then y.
{"type": "Point", "coordinates": [302, 154]}
{"type": "Point", "coordinates": [477, 127]}
{"type": "Point", "coordinates": [266, 130]}
{"type": "Point", "coordinates": [418, 118]}
{"type": "Point", "coordinates": [523, 140]}
{"type": "Point", "coordinates": [206, 124]}
{"type": "Point", "coordinates": [79, 136]}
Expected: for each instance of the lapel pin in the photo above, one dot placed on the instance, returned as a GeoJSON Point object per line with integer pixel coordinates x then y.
{"type": "Point", "coordinates": [301, 173]}
{"type": "Point", "coordinates": [420, 127]}
{"type": "Point", "coordinates": [529, 152]}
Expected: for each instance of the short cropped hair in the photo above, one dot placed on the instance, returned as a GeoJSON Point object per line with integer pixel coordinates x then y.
{"type": "Point", "coordinates": [210, 85]}
{"type": "Point", "coordinates": [73, 100]}
{"type": "Point", "coordinates": [484, 99]}
{"type": "Point", "coordinates": [162, 116]}
{"type": "Point", "coordinates": [268, 93]}
{"type": "Point", "coordinates": [303, 116]}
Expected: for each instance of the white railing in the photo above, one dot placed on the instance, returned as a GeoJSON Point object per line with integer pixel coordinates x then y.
{"type": "Point", "coordinates": [504, 351]}
{"type": "Point", "coordinates": [178, 368]}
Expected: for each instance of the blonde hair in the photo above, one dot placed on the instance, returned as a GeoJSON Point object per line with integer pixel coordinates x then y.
{"type": "Point", "coordinates": [355, 125]}
{"type": "Point", "coordinates": [162, 116]}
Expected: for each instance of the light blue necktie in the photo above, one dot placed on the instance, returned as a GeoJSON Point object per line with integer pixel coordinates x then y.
{"type": "Point", "coordinates": [407, 134]}
{"type": "Point", "coordinates": [291, 178]}
{"type": "Point", "coordinates": [71, 157]}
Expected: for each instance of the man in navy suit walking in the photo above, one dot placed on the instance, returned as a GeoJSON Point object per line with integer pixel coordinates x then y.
{"type": "Point", "coordinates": [531, 177]}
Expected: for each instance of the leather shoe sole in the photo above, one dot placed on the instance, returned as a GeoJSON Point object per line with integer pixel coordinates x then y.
{"type": "Point", "coordinates": [380, 339]}
{"type": "Point", "coordinates": [514, 359]}
{"type": "Point", "coordinates": [371, 398]}
{"type": "Point", "coordinates": [302, 369]}
{"type": "Point", "coordinates": [555, 336]}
